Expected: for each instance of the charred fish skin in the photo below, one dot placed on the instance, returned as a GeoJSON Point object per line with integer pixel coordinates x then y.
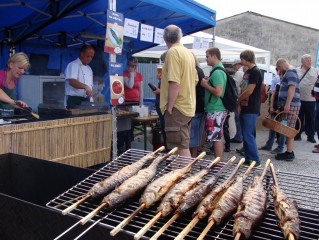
{"type": "Point", "coordinates": [228, 202]}
{"type": "Point", "coordinates": [173, 198]}
{"type": "Point", "coordinates": [133, 185]}
{"type": "Point", "coordinates": [105, 186]}
{"type": "Point", "coordinates": [287, 213]}
{"type": "Point", "coordinates": [250, 209]}
{"type": "Point", "coordinates": [193, 197]}
{"type": "Point", "coordinates": [159, 187]}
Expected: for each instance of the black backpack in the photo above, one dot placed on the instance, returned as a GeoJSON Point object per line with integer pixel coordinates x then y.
{"type": "Point", "coordinates": [231, 94]}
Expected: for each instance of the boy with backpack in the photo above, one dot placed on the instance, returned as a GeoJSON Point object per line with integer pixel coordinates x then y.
{"type": "Point", "coordinates": [216, 112]}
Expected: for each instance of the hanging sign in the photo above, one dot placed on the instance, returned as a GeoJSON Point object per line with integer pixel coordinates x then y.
{"type": "Point", "coordinates": [158, 37]}
{"type": "Point", "coordinates": [114, 33]}
{"type": "Point", "coordinates": [146, 33]}
{"type": "Point", "coordinates": [131, 28]}
{"type": "Point", "coordinates": [116, 83]}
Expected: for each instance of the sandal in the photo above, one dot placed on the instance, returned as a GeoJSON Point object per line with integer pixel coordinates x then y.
{"type": "Point", "coordinates": [316, 150]}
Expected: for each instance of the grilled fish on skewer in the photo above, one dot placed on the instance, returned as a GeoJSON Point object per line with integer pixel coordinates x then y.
{"type": "Point", "coordinates": [251, 208]}
{"type": "Point", "coordinates": [286, 210]}
{"type": "Point", "coordinates": [194, 196]}
{"type": "Point", "coordinates": [174, 196]}
{"type": "Point", "coordinates": [105, 186]}
{"type": "Point", "coordinates": [130, 186]}
{"type": "Point", "coordinates": [203, 208]}
{"type": "Point", "coordinates": [228, 202]}
{"type": "Point", "coordinates": [161, 185]}
{"type": "Point", "coordinates": [217, 192]}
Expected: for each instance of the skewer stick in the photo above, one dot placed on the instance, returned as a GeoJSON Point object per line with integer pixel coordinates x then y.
{"type": "Point", "coordinates": [187, 229]}
{"type": "Point", "coordinates": [249, 169]}
{"type": "Point", "coordinates": [291, 236]}
{"type": "Point", "coordinates": [127, 220]}
{"type": "Point", "coordinates": [76, 204]}
{"type": "Point", "coordinates": [237, 237]}
{"type": "Point", "coordinates": [92, 214]}
{"type": "Point", "coordinates": [159, 149]}
{"type": "Point", "coordinates": [273, 172]}
{"type": "Point", "coordinates": [140, 233]}
{"type": "Point", "coordinates": [205, 231]}
{"type": "Point", "coordinates": [163, 228]}
{"type": "Point", "coordinates": [69, 201]}
{"type": "Point", "coordinates": [265, 169]}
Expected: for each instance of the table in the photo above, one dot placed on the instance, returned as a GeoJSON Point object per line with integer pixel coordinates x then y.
{"type": "Point", "coordinates": [145, 121]}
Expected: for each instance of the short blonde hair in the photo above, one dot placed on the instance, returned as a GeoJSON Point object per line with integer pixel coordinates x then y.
{"type": "Point", "coordinates": [21, 59]}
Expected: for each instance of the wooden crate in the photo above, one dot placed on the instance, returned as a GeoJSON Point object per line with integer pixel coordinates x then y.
{"type": "Point", "coordinates": [79, 141]}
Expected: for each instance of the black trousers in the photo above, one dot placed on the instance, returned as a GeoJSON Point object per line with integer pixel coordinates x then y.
{"type": "Point", "coordinates": [306, 115]}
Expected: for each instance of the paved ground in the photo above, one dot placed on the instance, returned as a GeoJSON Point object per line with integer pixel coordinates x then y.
{"type": "Point", "coordinates": [305, 162]}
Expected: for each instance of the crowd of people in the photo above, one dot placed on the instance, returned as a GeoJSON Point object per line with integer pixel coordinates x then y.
{"type": "Point", "coordinates": [193, 112]}
{"type": "Point", "coordinates": [189, 103]}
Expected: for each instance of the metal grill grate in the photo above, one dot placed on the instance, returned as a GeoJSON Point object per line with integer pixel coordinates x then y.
{"type": "Point", "coordinates": [301, 188]}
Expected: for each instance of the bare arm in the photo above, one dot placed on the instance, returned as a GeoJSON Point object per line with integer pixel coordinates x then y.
{"type": "Point", "coordinates": [129, 82]}
{"type": "Point", "coordinates": [173, 90]}
{"type": "Point", "coordinates": [248, 91]}
{"type": "Point", "coordinates": [216, 91]}
{"type": "Point", "coordinates": [291, 93]}
{"type": "Point", "coordinates": [5, 98]}
{"type": "Point", "coordinates": [78, 85]}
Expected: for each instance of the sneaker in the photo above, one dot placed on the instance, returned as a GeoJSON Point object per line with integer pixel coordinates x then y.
{"type": "Point", "coordinates": [312, 140]}
{"type": "Point", "coordinates": [316, 146]}
{"type": "Point", "coordinates": [265, 148]}
{"type": "Point", "coordinates": [257, 165]}
{"type": "Point", "coordinates": [287, 156]}
{"type": "Point", "coordinates": [233, 140]}
{"type": "Point", "coordinates": [276, 150]}
{"type": "Point", "coordinates": [297, 138]}
{"type": "Point", "coordinates": [240, 151]}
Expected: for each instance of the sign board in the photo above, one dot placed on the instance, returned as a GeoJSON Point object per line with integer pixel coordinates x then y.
{"type": "Point", "coordinates": [114, 33]}
{"type": "Point", "coordinates": [116, 83]}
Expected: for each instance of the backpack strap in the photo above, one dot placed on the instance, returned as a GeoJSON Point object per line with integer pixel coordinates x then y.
{"type": "Point", "coordinates": [210, 74]}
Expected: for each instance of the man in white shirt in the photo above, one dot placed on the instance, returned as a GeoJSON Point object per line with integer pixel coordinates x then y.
{"type": "Point", "coordinates": [79, 78]}
{"type": "Point", "coordinates": [307, 78]}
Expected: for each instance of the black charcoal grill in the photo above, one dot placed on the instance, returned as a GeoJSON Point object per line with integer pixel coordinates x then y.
{"type": "Point", "coordinates": [303, 189]}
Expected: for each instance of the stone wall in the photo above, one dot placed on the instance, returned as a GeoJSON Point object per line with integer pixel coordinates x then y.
{"type": "Point", "coordinates": [283, 39]}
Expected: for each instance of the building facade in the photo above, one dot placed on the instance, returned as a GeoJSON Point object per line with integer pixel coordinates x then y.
{"type": "Point", "coordinates": [283, 39]}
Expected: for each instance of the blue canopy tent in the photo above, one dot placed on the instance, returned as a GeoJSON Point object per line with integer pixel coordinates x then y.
{"type": "Point", "coordinates": [60, 28]}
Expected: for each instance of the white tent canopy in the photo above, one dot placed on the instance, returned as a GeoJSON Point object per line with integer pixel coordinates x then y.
{"type": "Point", "coordinates": [229, 49]}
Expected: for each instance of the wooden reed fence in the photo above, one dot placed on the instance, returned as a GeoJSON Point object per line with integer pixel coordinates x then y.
{"type": "Point", "coordinates": [79, 141]}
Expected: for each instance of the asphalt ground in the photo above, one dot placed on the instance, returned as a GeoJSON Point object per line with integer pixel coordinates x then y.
{"type": "Point", "coordinates": [305, 162]}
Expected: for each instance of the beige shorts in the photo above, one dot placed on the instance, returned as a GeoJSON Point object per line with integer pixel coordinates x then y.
{"type": "Point", "coordinates": [177, 127]}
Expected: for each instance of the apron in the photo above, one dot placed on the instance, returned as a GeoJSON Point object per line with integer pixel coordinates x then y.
{"type": "Point", "coordinates": [5, 108]}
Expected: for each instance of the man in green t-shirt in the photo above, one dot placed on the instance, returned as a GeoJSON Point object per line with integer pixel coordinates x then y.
{"type": "Point", "coordinates": [214, 108]}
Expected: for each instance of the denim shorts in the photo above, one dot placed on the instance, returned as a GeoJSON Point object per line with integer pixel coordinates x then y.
{"type": "Point", "coordinates": [177, 127]}
{"type": "Point", "coordinates": [197, 128]}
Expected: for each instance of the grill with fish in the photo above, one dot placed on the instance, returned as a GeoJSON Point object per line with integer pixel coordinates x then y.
{"type": "Point", "coordinates": [301, 191]}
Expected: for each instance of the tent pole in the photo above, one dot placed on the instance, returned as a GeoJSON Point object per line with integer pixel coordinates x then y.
{"type": "Point", "coordinates": [112, 58]}
{"type": "Point", "coordinates": [213, 39]}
